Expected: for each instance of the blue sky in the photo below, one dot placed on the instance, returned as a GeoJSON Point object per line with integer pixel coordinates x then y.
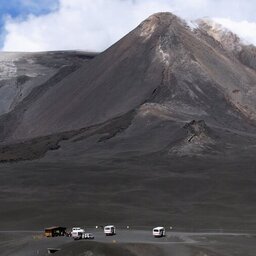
{"type": "Point", "coordinates": [21, 9]}
{"type": "Point", "coordinates": [94, 25]}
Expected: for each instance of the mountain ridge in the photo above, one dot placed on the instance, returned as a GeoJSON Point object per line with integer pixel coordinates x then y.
{"type": "Point", "coordinates": [180, 67]}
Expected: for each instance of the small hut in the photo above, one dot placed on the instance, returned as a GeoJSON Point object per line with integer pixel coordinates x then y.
{"type": "Point", "coordinates": [55, 231]}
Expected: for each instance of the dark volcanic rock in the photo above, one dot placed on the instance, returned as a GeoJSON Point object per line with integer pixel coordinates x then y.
{"type": "Point", "coordinates": [196, 129]}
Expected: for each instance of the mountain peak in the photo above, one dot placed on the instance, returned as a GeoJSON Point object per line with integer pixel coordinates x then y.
{"type": "Point", "coordinates": [158, 20]}
{"type": "Point", "coordinates": [163, 16]}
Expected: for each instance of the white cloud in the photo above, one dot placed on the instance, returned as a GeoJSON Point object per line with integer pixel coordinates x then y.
{"type": "Point", "coordinates": [94, 25]}
{"type": "Point", "coordinates": [246, 30]}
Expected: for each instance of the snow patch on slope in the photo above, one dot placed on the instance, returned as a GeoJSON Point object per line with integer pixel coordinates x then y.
{"type": "Point", "coordinates": [192, 25]}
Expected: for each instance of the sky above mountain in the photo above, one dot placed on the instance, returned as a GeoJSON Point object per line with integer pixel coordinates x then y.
{"type": "Point", "coordinates": [93, 25]}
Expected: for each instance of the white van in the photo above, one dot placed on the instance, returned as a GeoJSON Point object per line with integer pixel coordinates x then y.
{"type": "Point", "coordinates": [158, 232]}
{"type": "Point", "coordinates": [77, 232]}
{"type": "Point", "coordinates": [109, 230]}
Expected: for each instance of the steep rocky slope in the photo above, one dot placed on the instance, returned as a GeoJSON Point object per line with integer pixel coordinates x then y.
{"type": "Point", "coordinates": [163, 62]}
{"type": "Point", "coordinates": [22, 72]}
{"type": "Point", "coordinates": [244, 52]}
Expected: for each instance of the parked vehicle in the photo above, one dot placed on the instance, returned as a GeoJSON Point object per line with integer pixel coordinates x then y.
{"type": "Point", "coordinates": [84, 236]}
{"type": "Point", "coordinates": [109, 230]}
{"type": "Point", "coordinates": [78, 236]}
{"type": "Point", "coordinates": [159, 232]}
{"type": "Point", "coordinates": [87, 236]}
{"type": "Point", "coordinates": [77, 232]}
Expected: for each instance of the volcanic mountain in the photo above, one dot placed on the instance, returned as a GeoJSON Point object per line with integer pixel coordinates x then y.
{"type": "Point", "coordinates": [159, 127]}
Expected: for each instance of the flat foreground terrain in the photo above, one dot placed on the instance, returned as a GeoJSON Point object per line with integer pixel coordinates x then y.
{"type": "Point", "coordinates": [188, 194]}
